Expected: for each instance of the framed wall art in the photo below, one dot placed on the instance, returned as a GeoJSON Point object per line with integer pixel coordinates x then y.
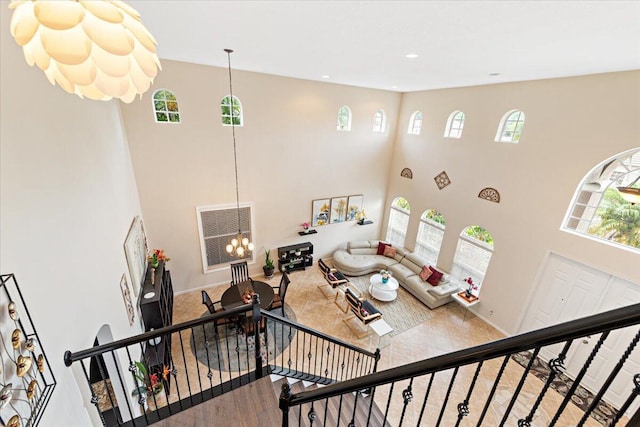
{"type": "Point", "coordinates": [135, 250]}
{"type": "Point", "coordinates": [355, 204]}
{"type": "Point", "coordinates": [126, 296]}
{"type": "Point", "coordinates": [320, 209]}
{"type": "Point", "coordinates": [338, 209]}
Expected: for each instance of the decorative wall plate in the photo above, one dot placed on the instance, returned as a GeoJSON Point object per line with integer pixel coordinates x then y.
{"type": "Point", "coordinates": [442, 180]}
{"type": "Point", "coordinates": [490, 194]}
{"type": "Point", "coordinates": [406, 173]}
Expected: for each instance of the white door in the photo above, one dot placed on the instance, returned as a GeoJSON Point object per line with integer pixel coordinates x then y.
{"type": "Point", "coordinates": [620, 293]}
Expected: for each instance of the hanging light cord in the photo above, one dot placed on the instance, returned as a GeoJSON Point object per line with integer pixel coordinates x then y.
{"type": "Point", "coordinates": [233, 131]}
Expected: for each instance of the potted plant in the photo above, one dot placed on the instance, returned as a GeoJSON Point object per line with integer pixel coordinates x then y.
{"type": "Point", "coordinates": [149, 387]}
{"type": "Point", "coordinates": [268, 267]}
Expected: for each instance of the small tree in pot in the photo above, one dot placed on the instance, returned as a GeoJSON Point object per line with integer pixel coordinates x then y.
{"type": "Point", "coordinates": [268, 267]}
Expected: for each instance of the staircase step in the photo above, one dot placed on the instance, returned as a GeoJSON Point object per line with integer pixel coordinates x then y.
{"type": "Point", "coordinates": [275, 377]}
{"type": "Point", "coordinates": [307, 384]}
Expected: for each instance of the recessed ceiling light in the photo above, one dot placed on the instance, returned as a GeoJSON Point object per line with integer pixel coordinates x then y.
{"type": "Point", "coordinates": [494, 74]}
{"type": "Point", "coordinates": [411, 55]}
{"type": "Point", "coordinates": [325, 76]}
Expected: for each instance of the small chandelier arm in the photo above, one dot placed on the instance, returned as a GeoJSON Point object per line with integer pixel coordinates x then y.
{"type": "Point", "coordinates": [239, 246]}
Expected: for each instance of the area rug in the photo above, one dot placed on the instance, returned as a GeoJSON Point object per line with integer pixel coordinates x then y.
{"type": "Point", "coordinates": [402, 314]}
{"type": "Point", "coordinates": [582, 397]}
{"type": "Point", "coordinates": [233, 350]}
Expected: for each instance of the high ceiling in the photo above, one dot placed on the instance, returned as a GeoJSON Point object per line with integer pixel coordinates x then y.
{"type": "Point", "coordinates": [364, 43]}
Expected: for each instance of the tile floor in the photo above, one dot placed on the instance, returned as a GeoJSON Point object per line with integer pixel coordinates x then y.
{"type": "Point", "coordinates": [446, 331]}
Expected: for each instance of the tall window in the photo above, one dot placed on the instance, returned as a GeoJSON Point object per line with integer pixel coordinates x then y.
{"type": "Point", "coordinates": [475, 247]}
{"type": "Point", "coordinates": [415, 123]}
{"type": "Point", "coordinates": [217, 226]}
{"type": "Point", "coordinates": [344, 118]}
{"type": "Point", "coordinates": [379, 121]}
{"type": "Point", "coordinates": [165, 107]}
{"type": "Point", "coordinates": [598, 208]}
{"type": "Point", "coordinates": [510, 128]}
{"type": "Point", "coordinates": [454, 125]}
{"type": "Point", "coordinates": [231, 111]}
{"type": "Point", "coordinates": [398, 221]}
{"type": "Point", "coordinates": [430, 235]}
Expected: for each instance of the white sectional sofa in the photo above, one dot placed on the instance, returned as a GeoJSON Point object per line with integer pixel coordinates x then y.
{"type": "Point", "coordinates": [361, 258]}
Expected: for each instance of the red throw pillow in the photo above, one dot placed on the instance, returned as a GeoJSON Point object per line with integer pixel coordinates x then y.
{"type": "Point", "coordinates": [425, 273]}
{"type": "Point", "coordinates": [389, 252]}
{"type": "Point", "coordinates": [381, 246]}
{"type": "Point", "coordinates": [435, 277]}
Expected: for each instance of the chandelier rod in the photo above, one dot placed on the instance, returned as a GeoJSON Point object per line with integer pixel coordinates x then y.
{"type": "Point", "coordinates": [233, 131]}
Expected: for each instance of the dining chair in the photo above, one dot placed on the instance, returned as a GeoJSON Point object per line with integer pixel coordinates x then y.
{"type": "Point", "coordinates": [278, 299]}
{"type": "Point", "coordinates": [362, 310]}
{"type": "Point", "coordinates": [239, 273]}
{"type": "Point", "coordinates": [211, 306]}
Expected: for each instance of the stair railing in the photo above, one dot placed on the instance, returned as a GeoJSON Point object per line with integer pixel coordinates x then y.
{"type": "Point", "coordinates": [456, 377]}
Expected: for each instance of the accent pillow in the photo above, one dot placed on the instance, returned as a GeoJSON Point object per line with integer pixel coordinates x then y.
{"type": "Point", "coordinates": [381, 246]}
{"type": "Point", "coordinates": [435, 277]}
{"type": "Point", "coordinates": [425, 273]}
{"type": "Point", "coordinates": [389, 252]}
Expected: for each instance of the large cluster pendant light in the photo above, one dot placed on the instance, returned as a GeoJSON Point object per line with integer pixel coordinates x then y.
{"type": "Point", "coordinates": [630, 193]}
{"type": "Point", "coordinates": [239, 246]}
{"type": "Point", "coordinates": [96, 49]}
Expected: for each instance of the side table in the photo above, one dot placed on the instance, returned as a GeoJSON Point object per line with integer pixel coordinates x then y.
{"type": "Point", "coordinates": [461, 299]}
{"type": "Point", "coordinates": [381, 328]}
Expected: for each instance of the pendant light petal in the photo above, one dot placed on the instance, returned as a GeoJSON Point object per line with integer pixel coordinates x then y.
{"type": "Point", "coordinates": [113, 38]}
{"type": "Point", "coordinates": [114, 65]}
{"type": "Point", "coordinates": [58, 15]}
{"type": "Point", "coordinates": [24, 24]}
{"type": "Point", "coordinates": [113, 86]}
{"type": "Point", "coordinates": [81, 74]}
{"type": "Point", "coordinates": [105, 11]}
{"type": "Point", "coordinates": [67, 46]}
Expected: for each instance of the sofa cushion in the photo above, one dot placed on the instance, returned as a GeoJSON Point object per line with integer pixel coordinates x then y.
{"type": "Point", "coordinates": [401, 271]}
{"type": "Point", "coordinates": [435, 276]}
{"type": "Point", "coordinates": [363, 251]}
{"type": "Point", "coordinates": [381, 247]}
{"type": "Point", "coordinates": [389, 252]}
{"type": "Point", "coordinates": [444, 289]}
{"type": "Point", "coordinates": [425, 273]}
{"type": "Point", "coordinates": [358, 244]}
{"type": "Point", "coordinates": [414, 262]}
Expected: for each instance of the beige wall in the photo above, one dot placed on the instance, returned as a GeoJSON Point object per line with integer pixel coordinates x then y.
{"type": "Point", "coordinates": [68, 196]}
{"type": "Point", "coordinates": [572, 124]}
{"type": "Point", "coordinates": [289, 153]}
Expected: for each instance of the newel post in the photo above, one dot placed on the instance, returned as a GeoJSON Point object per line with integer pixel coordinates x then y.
{"type": "Point", "coordinates": [257, 317]}
{"type": "Point", "coordinates": [285, 397]}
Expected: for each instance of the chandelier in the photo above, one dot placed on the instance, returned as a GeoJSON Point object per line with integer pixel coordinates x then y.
{"type": "Point", "coordinates": [630, 193]}
{"type": "Point", "coordinates": [239, 246]}
{"type": "Point", "coordinates": [95, 49]}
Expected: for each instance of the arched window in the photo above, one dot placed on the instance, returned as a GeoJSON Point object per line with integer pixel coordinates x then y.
{"type": "Point", "coordinates": [379, 121]}
{"type": "Point", "coordinates": [231, 111]}
{"type": "Point", "coordinates": [430, 234]}
{"type": "Point", "coordinates": [165, 107]}
{"type": "Point", "coordinates": [398, 221]}
{"type": "Point", "coordinates": [475, 247]}
{"type": "Point", "coordinates": [600, 209]}
{"type": "Point", "coordinates": [344, 118]}
{"type": "Point", "coordinates": [454, 125]}
{"type": "Point", "coordinates": [510, 128]}
{"type": "Point", "coordinates": [415, 123]}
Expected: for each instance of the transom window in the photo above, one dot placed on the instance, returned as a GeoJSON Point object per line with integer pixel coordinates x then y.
{"type": "Point", "coordinates": [379, 121]}
{"type": "Point", "coordinates": [430, 235]}
{"type": "Point", "coordinates": [472, 257]}
{"type": "Point", "coordinates": [454, 125]}
{"type": "Point", "coordinates": [511, 126]}
{"type": "Point", "coordinates": [415, 123]}
{"type": "Point", "coordinates": [599, 210]}
{"type": "Point", "coordinates": [231, 112]}
{"type": "Point", "coordinates": [165, 107]}
{"type": "Point", "coordinates": [344, 118]}
{"type": "Point", "coordinates": [398, 221]}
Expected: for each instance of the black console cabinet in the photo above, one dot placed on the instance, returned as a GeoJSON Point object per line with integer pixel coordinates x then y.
{"type": "Point", "coordinates": [295, 257]}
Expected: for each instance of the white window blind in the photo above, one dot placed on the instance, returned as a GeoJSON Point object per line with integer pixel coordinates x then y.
{"type": "Point", "coordinates": [397, 228]}
{"type": "Point", "coordinates": [429, 240]}
{"type": "Point", "coordinates": [217, 227]}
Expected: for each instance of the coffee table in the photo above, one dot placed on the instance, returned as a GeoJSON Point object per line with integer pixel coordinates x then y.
{"type": "Point", "coordinates": [383, 291]}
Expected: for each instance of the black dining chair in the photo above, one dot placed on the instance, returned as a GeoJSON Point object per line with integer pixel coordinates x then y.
{"type": "Point", "coordinates": [211, 306]}
{"type": "Point", "coordinates": [239, 273]}
{"type": "Point", "coordinates": [278, 299]}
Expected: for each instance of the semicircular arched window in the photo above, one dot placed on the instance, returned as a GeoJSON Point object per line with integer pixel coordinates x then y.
{"type": "Point", "coordinates": [379, 121]}
{"type": "Point", "coordinates": [231, 111]}
{"type": "Point", "coordinates": [455, 124]}
{"type": "Point", "coordinates": [165, 107]}
{"type": "Point", "coordinates": [344, 118]}
{"type": "Point", "coordinates": [430, 235]}
{"type": "Point", "coordinates": [472, 257]}
{"type": "Point", "coordinates": [415, 123]}
{"type": "Point", "coordinates": [398, 221]}
{"type": "Point", "coordinates": [606, 204]}
{"type": "Point", "coordinates": [510, 128]}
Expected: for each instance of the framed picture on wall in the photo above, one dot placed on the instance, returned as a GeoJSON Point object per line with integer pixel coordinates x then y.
{"type": "Point", "coordinates": [126, 296]}
{"type": "Point", "coordinates": [338, 209]}
{"type": "Point", "coordinates": [320, 210]}
{"type": "Point", "coordinates": [135, 250]}
{"type": "Point", "coordinates": [354, 205]}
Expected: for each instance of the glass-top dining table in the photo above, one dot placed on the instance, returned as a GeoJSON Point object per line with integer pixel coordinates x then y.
{"type": "Point", "coordinates": [233, 296]}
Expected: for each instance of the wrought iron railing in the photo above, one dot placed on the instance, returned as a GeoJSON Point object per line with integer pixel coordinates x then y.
{"type": "Point", "coordinates": [486, 385]}
{"type": "Point", "coordinates": [140, 380]}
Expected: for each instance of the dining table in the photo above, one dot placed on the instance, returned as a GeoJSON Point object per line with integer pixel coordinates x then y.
{"type": "Point", "coordinates": [232, 297]}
